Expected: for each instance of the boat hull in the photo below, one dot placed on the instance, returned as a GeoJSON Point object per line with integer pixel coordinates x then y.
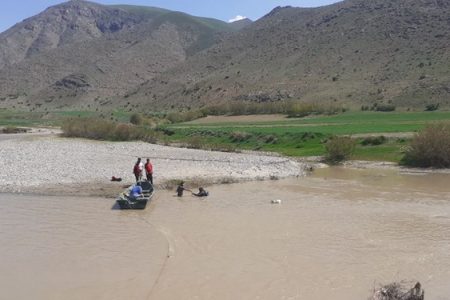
{"type": "Point", "coordinates": [127, 204]}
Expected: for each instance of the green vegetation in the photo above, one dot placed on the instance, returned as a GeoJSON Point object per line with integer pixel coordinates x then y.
{"type": "Point", "coordinates": [339, 148]}
{"type": "Point", "coordinates": [308, 136]}
{"type": "Point", "coordinates": [98, 129]}
{"type": "Point", "coordinates": [376, 135]}
{"type": "Point", "coordinates": [430, 147]}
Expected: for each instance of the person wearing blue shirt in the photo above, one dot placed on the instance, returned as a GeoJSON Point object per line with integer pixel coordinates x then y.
{"type": "Point", "coordinates": [136, 192]}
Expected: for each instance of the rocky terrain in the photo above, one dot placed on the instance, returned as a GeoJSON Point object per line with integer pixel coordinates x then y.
{"type": "Point", "coordinates": [85, 56]}
{"type": "Point", "coordinates": [82, 54]}
{"type": "Point", "coordinates": [354, 52]}
{"type": "Point", "coordinates": [42, 163]}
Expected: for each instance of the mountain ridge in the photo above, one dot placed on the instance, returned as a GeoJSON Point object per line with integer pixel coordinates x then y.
{"type": "Point", "coordinates": [354, 53]}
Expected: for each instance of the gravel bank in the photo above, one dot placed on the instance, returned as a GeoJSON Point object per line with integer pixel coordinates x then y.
{"type": "Point", "coordinates": [56, 164]}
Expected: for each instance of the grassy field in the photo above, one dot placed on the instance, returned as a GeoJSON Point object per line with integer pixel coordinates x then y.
{"type": "Point", "coordinates": [306, 136]}
{"type": "Point", "coordinates": [30, 119]}
{"type": "Point", "coordinates": [291, 137]}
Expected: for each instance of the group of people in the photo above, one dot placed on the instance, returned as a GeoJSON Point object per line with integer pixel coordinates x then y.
{"type": "Point", "coordinates": [140, 167]}
{"type": "Point", "coordinates": [201, 191]}
{"type": "Point", "coordinates": [138, 171]}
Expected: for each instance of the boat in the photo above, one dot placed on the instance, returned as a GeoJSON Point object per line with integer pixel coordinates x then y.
{"type": "Point", "coordinates": [126, 202]}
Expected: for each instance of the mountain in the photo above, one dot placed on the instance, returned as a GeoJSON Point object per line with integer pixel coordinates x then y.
{"type": "Point", "coordinates": [355, 52]}
{"type": "Point", "coordinates": [79, 54]}
{"type": "Point", "coordinates": [82, 55]}
{"type": "Point", "coordinates": [240, 24]}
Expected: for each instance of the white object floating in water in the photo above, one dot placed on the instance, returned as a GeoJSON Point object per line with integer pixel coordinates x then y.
{"type": "Point", "coordinates": [277, 201]}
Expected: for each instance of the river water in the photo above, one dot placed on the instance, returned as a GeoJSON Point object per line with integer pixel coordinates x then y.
{"type": "Point", "coordinates": [336, 235]}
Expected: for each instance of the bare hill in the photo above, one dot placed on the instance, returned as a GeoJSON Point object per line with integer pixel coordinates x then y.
{"type": "Point", "coordinates": [355, 52]}
{"type": "Point", "coordinates": [80, 54]}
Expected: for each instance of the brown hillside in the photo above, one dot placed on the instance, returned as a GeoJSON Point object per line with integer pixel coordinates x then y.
{"type": "Point", "coordinates": [354, 52]}
{"type": "Point", "coordinates": [89, 56]}
{"type": "Point", "coordinates": [78, 55]}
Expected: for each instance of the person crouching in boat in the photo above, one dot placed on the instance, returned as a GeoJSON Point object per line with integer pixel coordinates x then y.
{"type": "Point", "coordinates": [136, 192]}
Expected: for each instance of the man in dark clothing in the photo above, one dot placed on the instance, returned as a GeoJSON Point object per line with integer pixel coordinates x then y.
{"type": "Point", "coordinates": [149, 171]}
{"type": "Point", "coordinates": [201, 192]}
{"type": "Point", "coordinates": [137, 169]}
{"type": "Point", "coordinates": [180, 189]}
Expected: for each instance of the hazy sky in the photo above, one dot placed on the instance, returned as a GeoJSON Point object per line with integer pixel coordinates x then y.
{"type": "Point", "coordinates": [12, 12]}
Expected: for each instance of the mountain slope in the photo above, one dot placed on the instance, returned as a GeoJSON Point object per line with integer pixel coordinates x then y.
{"type": "Point", "coordinates": [355, 52]}
{"type": "Point", "coordinates": [80, 54]}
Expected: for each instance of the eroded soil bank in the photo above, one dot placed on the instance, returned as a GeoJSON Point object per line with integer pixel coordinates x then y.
{"type": "Point", "coordinates": [335, 235]}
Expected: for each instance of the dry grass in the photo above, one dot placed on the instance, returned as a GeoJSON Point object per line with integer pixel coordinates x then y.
{"type": "Point", "coordinates": [430, 147]}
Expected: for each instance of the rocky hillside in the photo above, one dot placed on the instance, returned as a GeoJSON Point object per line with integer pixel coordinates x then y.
{"type": "Point", "coordinates": [81, 55]}
{"type": "Point", "coordinates": [355, 52]}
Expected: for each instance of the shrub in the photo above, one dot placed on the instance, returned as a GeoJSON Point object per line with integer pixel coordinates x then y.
{"type": "Point", "coordinates": [99, 129]}
{"type": "Point", "coordinates": [373, 140]}
{"type": "Point", "coordinates": [385, 107]}
{"type": "Point", "coordinates": [13, 129]}
{"type": "Point", "coordinates": [239, 137]}
{"type": "Point", "coordinates": [339, 149]}
{"type": "Point", "coordinates": [136, 119]}
{"type": "Point", "coordinates": [430, 147]}
{"type": "Point", "coordinates": [123, 132]}
{"type": "Point", "coordinates": [195, 142]}
{"type": "Point", "coordinates": [432, 107]}
{"type": "Point", "coordinates": [269, 139]}
{"type": "Point", "coordinates": [180, 117]}
{"type": "Point", "coordinates": [91, 128]}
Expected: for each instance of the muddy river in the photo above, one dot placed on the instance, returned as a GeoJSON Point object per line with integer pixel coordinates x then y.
{"type": "Point", "coordinates": [336, 235]}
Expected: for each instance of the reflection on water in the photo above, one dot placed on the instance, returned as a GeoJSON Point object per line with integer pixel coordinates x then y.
{"type": "Point", "coordinates": [335, 235]}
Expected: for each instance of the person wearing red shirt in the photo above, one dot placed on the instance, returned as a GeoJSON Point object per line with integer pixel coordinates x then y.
{"type": "Point", "coordinates": [149, 171]}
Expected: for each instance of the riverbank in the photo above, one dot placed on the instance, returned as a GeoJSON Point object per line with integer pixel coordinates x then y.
{"type": "Point", "coordinates": [52, 165]}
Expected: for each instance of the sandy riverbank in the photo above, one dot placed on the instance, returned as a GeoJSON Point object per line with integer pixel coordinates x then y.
{"type": "Point", "coordinates": [52, 165]}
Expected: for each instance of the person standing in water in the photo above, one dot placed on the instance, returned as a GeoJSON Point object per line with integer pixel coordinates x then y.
{"type": "Point", "coordinates": [181, 189]}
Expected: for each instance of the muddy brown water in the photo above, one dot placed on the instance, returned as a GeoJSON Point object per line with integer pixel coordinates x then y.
{"type": "Point", "coordinates": [335, 235]}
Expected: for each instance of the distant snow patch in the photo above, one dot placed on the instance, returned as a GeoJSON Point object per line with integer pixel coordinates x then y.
{"type": "Point", "coordinates": [237, 18]}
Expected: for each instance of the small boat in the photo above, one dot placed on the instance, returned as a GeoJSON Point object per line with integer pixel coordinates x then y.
{"type": "Point", "coordinates": [126, 202]}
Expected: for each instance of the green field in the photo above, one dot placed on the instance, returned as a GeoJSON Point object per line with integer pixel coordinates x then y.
{"type": "Point", "coordinates": [30, 119]}
{"type": "Point", "coordinates": [306, 136]}
{"type": "Point", "coordinates": [291, 137]}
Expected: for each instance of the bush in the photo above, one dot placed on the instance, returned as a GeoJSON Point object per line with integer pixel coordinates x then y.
{"type": "Point", "coordinates": [13, 129]}
{"type": "Point", "coordinates": [239, 137]}
{"type": "Point", "coordinates": [196, 142]}
{"type": "Point", "coordinates": [99, 129]}
{"type": "Point", "coordinates": [430, 147]}
{"type": "Point", "coordinates": [136, 119]}
{"type": "Point", "coordinates": [373, 140]}
{"type": "Point", "coordinates": [269, 139]}
{"type": "Point", "coordinates": [339, 149]}
{"type": "Point", "coordinates": [91, 128]}
{"type": "Point", "coordinates": [432, 107]}
{"type": "Point", "coordinates": [385, 107]}
{"type": "Point", "coordinates": [180, 117]}
{"type": "Point", "coordinates": [123, 132]}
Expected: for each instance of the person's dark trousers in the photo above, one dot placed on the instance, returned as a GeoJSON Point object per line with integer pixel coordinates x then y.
{"type": "Point", "coordinates": [150, 177]}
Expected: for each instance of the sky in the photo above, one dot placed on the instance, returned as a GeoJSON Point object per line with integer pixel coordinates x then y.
{"type": "Point", "coordinates": [12, 12]}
